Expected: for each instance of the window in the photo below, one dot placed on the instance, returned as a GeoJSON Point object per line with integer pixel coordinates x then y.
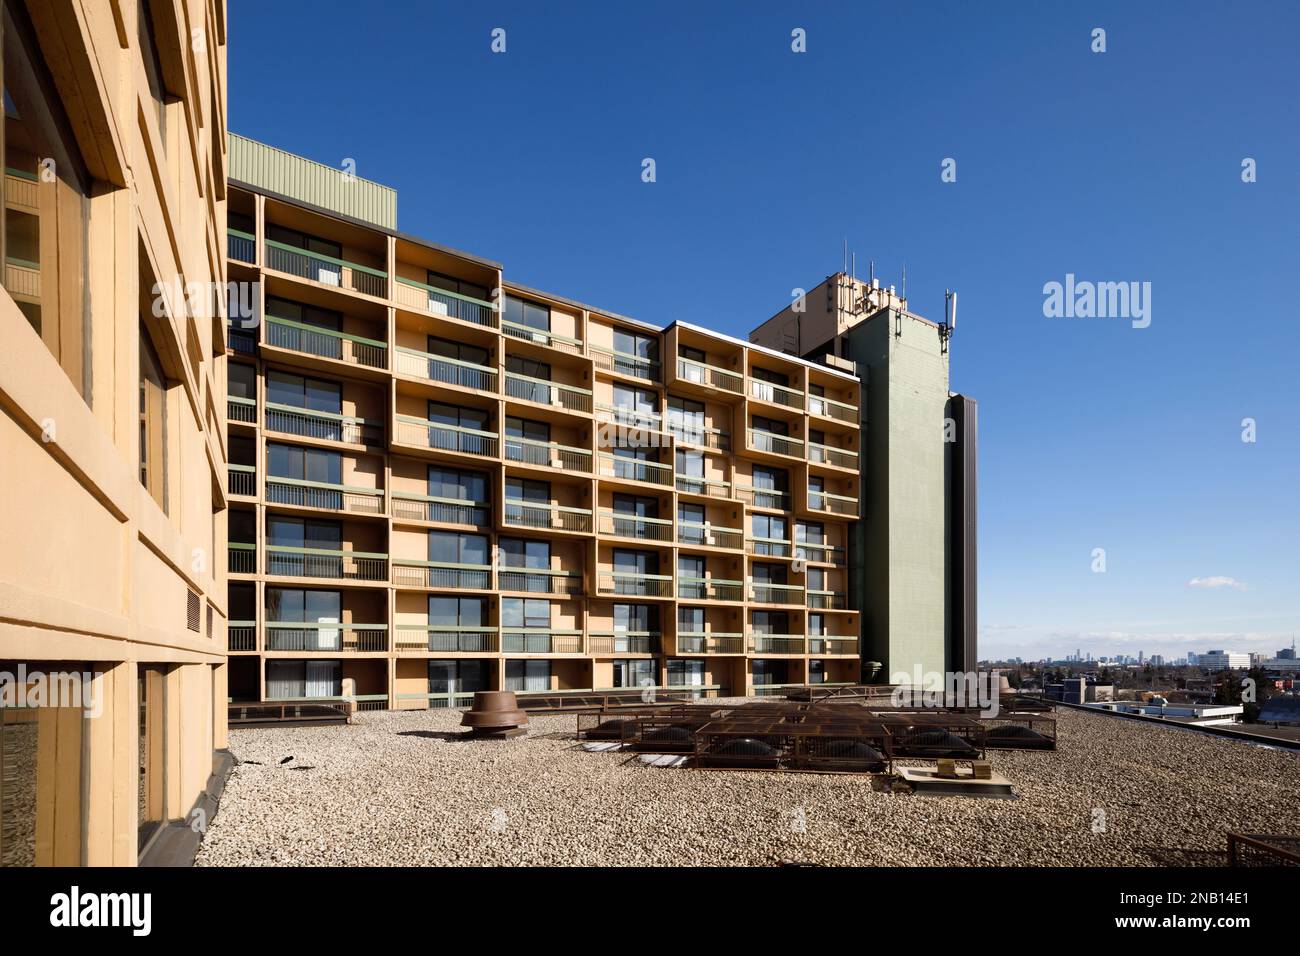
{"type": "Point", "coordinates": [457, 677]}
{"type": "Point", "coordinates": [241, 381]}
{"type": "Point", "coordinates": [446, 611]}
{"type": "Point", "coordinates": [690, 620]}
{"type": "Point", "coordinates": [525, 612]}
{"type": "Point", "coordinates": [459, 286]}
{"type": "Point", "coordinates": [297, 544]}
{"type": "Point", "coordinates": [295, 680]}
{"type": "Point", "coordinates": [528, 389]}
{"type": "Point", "coordinates": [46, 208]}
{"type": "Point", "coordinates": [528, 675]}
{"type": "Point", "coordinates": [690, 464]}
{"type": "Point", "coordinates": [153, 423]}
{"type": "Point", "coordinates": [298, 605]}
{"type": "Point", "coordinates": [770, 425]}
{"type": "Point", "coordinates": [772, 527]}
{"type": "Point", "coordinates": [817, 624]}
{"type": "Point", "coordinates": [634, 673]}
{"type": "Point", "coordinates": [152, 64]}
{"type": "Point", "coordinates": [635, 562]}
{"type": "Point", "coordinates": [816, 672]}
{"type": "Point", "coordinates": [768, 673]}
{"type": "Point", "coordinates": [769, 622]}
{"type": "Point", "coordinates": [634, 343]}
{"type": "Point", "coordinates": [519, 553]}
{"type": "Point", "coordinates": [457, 352]}
{"type": "Point", "coordinates": [695, 355]}
{"type": "Point", "coordinates": [635, 402]}
{"type": "Point", "coordinates": [151, 791]}
{"type": "Point", "coordinates": [817, 579]}
{"type": "Point", "coordinates": [297, 391]}
{"type": "Point", "coordinates": [690, 521]}
{"type": "Point", "coordinates": [686, 419]}
{"type": "Point", "coordinates": [441, 413]}
{"type": "Point", "coordinates": [767, 375]}
{"type": "Point", "coordinates": [690, 576]}
{"type": "Point", "coordinates": [769, 573]}
{"type": "Point", "coordinates": [636, 505]}
{"type": "Point", "coordinates": [450, 547]}
{"type": "Point", "coordinates": [527, 489]}
{"type": "Point", "coordinates": [771, 479]}
{"type": "Point", "coordinates": [527, 428]}
{"type": "Point", "coordinates": [528, 314]}
{"type": "Point", "coordinates": [636, 617]}
{"type": "Point", "coordinates": [304, 464]}
{"type": "Point", "coordinates": [291, 311]}
{"type": "Point", "coordinates": [325, 255]}
{"type": "Point", "coordinates": [685, 673]}
{"type": "Point", "coordinates": [456, 484]}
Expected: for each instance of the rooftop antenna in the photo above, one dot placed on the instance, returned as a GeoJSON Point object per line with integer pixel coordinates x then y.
{"type": "Point", "coordinates": [903, 296]}
{"type": "Point", "coordinates": [949, 319]}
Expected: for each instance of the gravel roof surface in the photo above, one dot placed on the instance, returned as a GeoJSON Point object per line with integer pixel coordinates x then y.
{"type": "Point", "coordinates": [399, 788]}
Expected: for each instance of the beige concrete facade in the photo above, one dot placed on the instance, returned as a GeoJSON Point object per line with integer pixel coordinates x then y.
{"type": "Point", "coordinates": [438, 487]}
{"type": "Point", "coordinates": [113, 427]}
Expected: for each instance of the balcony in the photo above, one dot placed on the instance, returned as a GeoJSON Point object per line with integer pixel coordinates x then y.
{"type": "Point", "coordinates": [624, 363]}
{"type": "Point", "coordinates": [764, 497]}
{"type": "Point", "coordinates": [827, 455]}
{"type": "Point", "coordinates": [454, 438]}
{"type": "Point", "coordinates": [824, 407]}
{"type": "Point", "coordinates": [768, 547]}
{"type": "Point", "coordinates": [630, 418]}
{"type": "Point", "coordinates": [326, 563]}
{"type": "Point", "coordinates": [688, 370]}
{"type": "Point", "coordinates": [548, 454]}
{"type": "Point", "coordinates": [823, 644]}
{"type": "Point", "coordinates": [412, 507]}
{"type": "Point", "coordinates": [568, 397]}
{"type": "Point", "coordinates": [241, 480]}
{"type": "Point", "coordinates": [450, 371]}
{"type": "Point", "coordinates": [819, 553]}
{"type": "Point", "coordinates": [304, 636]}
{"type": "Point", "coordinates": [623, 642]}
{"type": "Point", "coordinates": [709, 487]}
{"type": "Point", "coordinates": [776, 394]}
{"type": "Point", "coordinates": [633, 469]}
{"type": "Point", "coordinates": [446, 639]}
{"type": "Point", "coordinates": [766, 593]}
{"type": "Point", "coordinates": [835, 504]}
{"type": "Point", "coordinates": [240, 246]}
{"type": "Point", "coordinates": [325, 343]}
{"type": "Point", "coordinates": [408, 573]}
{"type": "Point", "coordinates": [700, 436]}
{"type": "Point", "coordinates": [241, 558]}
{"type": "Point", "coordinates": [540, 581]}
{"type": "Point", "coordinates": [243, 341]}
{"type": "Point", "coordinates": [523, 514]}
{"type": "Point", "coordinates": [776, 643]}
{"type": "Point", "coordinates": [760, 440]}
{"type": "Point", "coordinates": [826, 601]}
{"type": "Point", "coordinates": [545, 337]}
{"type": "Point", "coordinates": [241, 410]}
{"type": "Point", "coordinates": [632, 584]}
{"type": "Point", "coordinates": [329, 426]}
{"type": "Point", "coordinates": [241, 636]}
{"type": "Point", "coordinates": [540, 640]}
{"type": "Point", "coordinates": [326, 269]}
{"type": "Point", "coordinates": [710, 642]}
{"type": "Point", "coordinates": [708, 535]}
{"type": "Point", "coordinates": [634, 526]}
{"type": "Point", "coordinates": [710, 589]}
{"type": "Point", "coordinates": [323, 496]}
{"type": "Point", "coordinates": [417, 295]}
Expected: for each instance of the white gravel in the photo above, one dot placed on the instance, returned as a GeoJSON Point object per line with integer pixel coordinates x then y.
{"type": "Point", "coordinates": [395, 790]}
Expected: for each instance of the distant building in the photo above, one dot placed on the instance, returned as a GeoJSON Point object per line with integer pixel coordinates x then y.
{"type": "Point", "coordinates": [1280, 710]}
{"type": "Point", "coordinates": [1201, 715]}
{"type": "Point", "coordinates": [1224, 660]}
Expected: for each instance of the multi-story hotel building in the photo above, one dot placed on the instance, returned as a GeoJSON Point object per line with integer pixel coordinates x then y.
{"type": "Point", "coordinates": [437, 487]}
{"type": "Point", "coordinates": [112, 427]}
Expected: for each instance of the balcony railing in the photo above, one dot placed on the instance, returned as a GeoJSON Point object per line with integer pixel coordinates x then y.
{"type": "Point", "coordinates": [824, 644]}
{"type": "Point", "coordinates": [330, 637]}
{"type": "Point", "coordinates": [330, 426]}
{"type": "Point", "coordinates": [689, 370]}
{"type": "Point", "coordinates": [710, 642]}
{"type": "Point", "coordinates": [540, 640]}
{"type": "Point", "coordinates": [427, 434]}
{"type": "Point", "coordinates": [326, 269]}
{"type": "Point", "coordinates": [695, 485]}
{"type": "Point", "coordinates": [819, 553]}
{"type": "Point", "coordinates": [709, 535]}
{"type": "Point", "coordinates": [768, 547]}
{"type": "Point", "coordinates": [761, 440]}
{"type": "Point", "coordinates": [836, 504]}
{"type": "Point", "coordinates": [243, 341]}
{"type": "Point", "coordinates": [539, 580]}
{"type": "Point", "coordinates": [413, 507]}
{"type": "Point", "coordinates": [623, 642]}
{"type": "Point", "coordinates": [701, 436]}
{"type": "Point", "coordinates": [825, 407]}
{"type": "Point", "coordinates": [523, 514]}
{"type": "Point", "coordinates": [446, 639]}
{"type": "Point", "coordinates": [241, 558]}
{"type": "Point", "coordinates": [776, 394]}
{"type": "Point", "coordinates": [528, 389]}
{"type": "Point", "coordinates": [826, 601]}
{"type": "Point", "coordinates": [764, 497]}
{"type": "Point", "coordinates": [418, 295]}
{"type": "Point", "coordinates": [776, 643]}
{"type": "Point", "coordinates": [635, 526]}
{"type": "Point", "coordinates": [240, 246]}
{"type": "Point", "coordinates": [629, 417]}
{"type": "Point", "coordinates": [326, 497]}
{"type": "Point", "coordinates": [768, 593]}
{"type": "Point", "coordinates": [241, 409]}
{"type": "Point", "coordinates": [438, 368]}
{"type": "Point", "coordinates": [624, 363]}
{"type": "Point", "coordinates": [408, 573]}
{"type": "Point", "coordinates": [541, 337]}
{"type": "Point", "coordinates": [326, 563]}
{"type": "Point", "coordinates": [241, 635]}
{"type": "Point", "coordinates": [709, 589]}
{"type": "Point", "coordinates": [241, 480]}
{"type": "Point", "coordinates": [634, 584]}
{"type": "Point", "coordinates": [634, 469]}
{"type": "Point", "coordinates": [547, 454]}
{"type": "Point", "coordinates": [325, 343]}
{"type": "Point", "coordinates": [828, 455]}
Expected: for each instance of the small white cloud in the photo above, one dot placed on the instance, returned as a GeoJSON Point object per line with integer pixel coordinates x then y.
{"type": "Point", "coordinates": [1217, 581]}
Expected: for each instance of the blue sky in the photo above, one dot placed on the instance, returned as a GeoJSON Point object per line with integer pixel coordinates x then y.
{"type": "Point", "coordinates": [1115, 166]}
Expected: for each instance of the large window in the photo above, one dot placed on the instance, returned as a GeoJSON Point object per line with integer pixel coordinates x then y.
{"type": "Point", "coordinates": [294, 680]}
{"type": "Point", "coordinates": [520, 553]}
{"type": "Point", "coordinates": [528, 314]}
{"type": "Point", "coordinates": [456, 677]}
{"type": "Point", "coordinates": [306, 607]}
{"type": "Point", "coordinates": [634, 343]}
{"type": "Point", "coordinates": [450, 547]}
{"type": "Point", "coordinates": [528, 675]}
{"type": "Point", "coordinates": [45, 209]}
{"type": "Point", "coordinates": [635, 402]}
{"type": "Point", "coordinates": [683, 672]}
{"type": "Point", "coordinates": [459, 286]}
{"type": "Point", "coordinates": [304, 464]}
{"type": "Point", "coordinates": [449, 611]}
{"type": "Point", "coordinates": [634, 672]}
{"type": "Point", "coordinates": [456, 484]}
{"type": "Point", "coordinates": [297, 391]}
{"type": "Point", "coordinates": [525, 613]}
{"type": "Point", "coordinates": [643, 618]}
{"type": "Point", "coordinates": [767, 531]}
{"type": "Point", "coordinates": [153, 423]}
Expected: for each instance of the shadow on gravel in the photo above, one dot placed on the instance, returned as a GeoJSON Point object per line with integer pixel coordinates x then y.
{"type": "Point", "coordinates": [447, 735]}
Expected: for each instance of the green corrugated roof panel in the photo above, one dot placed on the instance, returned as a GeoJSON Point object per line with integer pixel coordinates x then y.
{"type": "Point", "coordinates": [275, 171]}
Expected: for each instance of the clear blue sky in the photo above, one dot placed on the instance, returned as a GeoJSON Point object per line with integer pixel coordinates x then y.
{"type": "Point", "coordinates": [1124, 165]}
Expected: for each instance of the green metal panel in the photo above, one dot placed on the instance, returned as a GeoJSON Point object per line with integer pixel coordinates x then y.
{"type": "Point", "coordinates": [275, 171]}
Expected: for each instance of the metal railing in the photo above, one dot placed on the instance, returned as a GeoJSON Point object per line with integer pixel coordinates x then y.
{"type": "Point", "coordinates": [689, 370]}
{"type": "Point", "coordinates": [623, 642]}
{"type": "Point", "coordinates": [764, 497]}
{"type": "Point", "coordinates": [240, 246]}
{"type": "Point", "coordinates": [710, 642]}
{"type": "Point", "coordinates": [439, 368]}
{"type": "Point", "coordinates": [241, 558]}
{"type": "Point", "coordinates": [825, 407]}
{"type": "Point", "coordinates": [624, 363]}
{"type": "Point", "coordinates": [243, 341]}
{"type": "Point", "coordinates": [761, 440]}
{"type": "Point", "coordinates": [324, 496]}
{"type": "Point", "coordinates": [427, 434]}
{"type": "Point", "coordinates": [548, 454]}
{"type": "Point", "coordinates": [540, 640]}
{"type": "Point", "coordinates": [524, 514]}
{"type": "Point", "coordinates": [633, 469]}
{"type": "Point", "coordinates": [760, 643]}
{"type": "Point", "coordinates": [539, 580]}
{"type": "Point", "coordinates": [829, 455]}
{"type": "Point", "coordinates": [709, 535]}
{"type": "Point", "coordinates": [326, 269]}
{"type": "Point", "coordinates": [826, 601]}
{"type": "Point", "coordinates": [446, 639]}
{"type": "Point", "coordinates": [529, 389]}
{"type": "Point", "coordinates": [325, 343]}
{"type": "Point", "coordinates": [241, 635]}
{"type": "Point", "coordinates": [701, 436]}
{"type": "Point", "coordinates": [634, 585]}
{"type": "Point", "coordinates": [330, 637]}
{"type": "Point", "coordinates": [241, 480]}
{"type": "Point", "coordinates": [409, 506]}
{"type": "Point", "coordinates": [695, 485]}
{"type": "Point", "coordinates": [776, 394]}
{"type": "Point", "coordinates": [709, 589]}
{"type": "Point", "coordinates": [819, 553]}
{"type": "Point", "coordinates": [827, 644]}
{"type": "Point", "coordinates": [629, 417]}
{"type": "Point", "coordinates": [419, 295]}
{"type": "Point", "coordinates": [409, 573]}
{"type": "Point", "coordinates": [634, 526]}
{"type": "Point", "coordinates": [241, 409]}
{"type": "Point", "coordinates": [768, 593]}
{"type": "Point", "coordinates": [326, 563]}
{"type": "Point", "coordinates": [836, 504]}
{"type": "Point", "coordinates": [541, 337]}
{"type": "Point", "coordinates": [768, 547]}
{"type": "Point", "coordinates": [330, 426]}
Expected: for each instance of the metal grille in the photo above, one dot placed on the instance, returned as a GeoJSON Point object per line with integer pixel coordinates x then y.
{"type": "Point", "coordinates": [192, 612]}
